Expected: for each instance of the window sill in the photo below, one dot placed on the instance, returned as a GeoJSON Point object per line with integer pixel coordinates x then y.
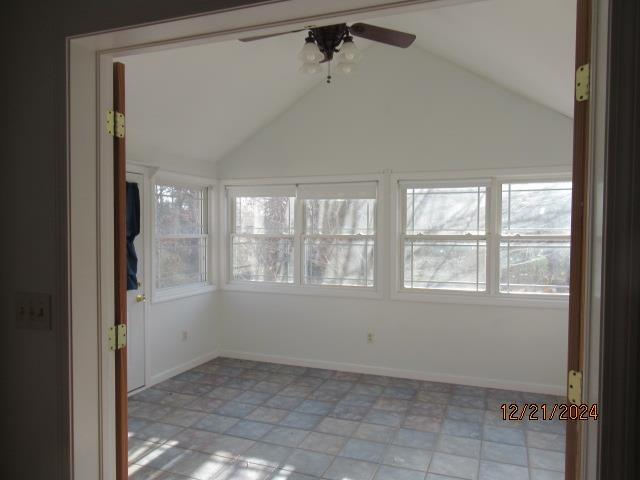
{"type": "Point", "coordinates": [310, 290]}
{"type": "Point", "coordinates": [171, 294]}
{"type": "Point", "coordinates": [498, 300]}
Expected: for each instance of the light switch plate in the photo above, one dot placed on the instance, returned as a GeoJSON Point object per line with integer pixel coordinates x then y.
{"type": "Point", "coordinates": [33, 311]}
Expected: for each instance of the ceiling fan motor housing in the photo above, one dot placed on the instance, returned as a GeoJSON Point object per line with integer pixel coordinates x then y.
{"type": "Point", "coordinates": [329, 38]}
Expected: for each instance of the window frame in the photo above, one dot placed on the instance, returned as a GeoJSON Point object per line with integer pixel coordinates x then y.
{"type": "Point", "coordinates": [231, 210]}
{"type": "Point", "coordinates": [298, 287]}
{"type": "Point", "coordinates": [448, 237]}
{"type": "Point", "coordinates": [495, 178]}
{"type": "Point", "coordinates": [304, 236]}
{"type": "Point", "coordinates": [160, 295]}
{"type": "Point", "coordinates": [523, 238]}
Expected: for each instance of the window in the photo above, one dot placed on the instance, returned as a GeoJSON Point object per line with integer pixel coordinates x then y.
{"type": "Point", "coordinates": [305, 235]}
{"type": "Point", "coordinates": [262, 234]}
{"type": "Point", "coordinates": [491, 237]}
{"type": "Point", "coordinates": [444, 238]}
{"type": "Point", "coordinates": [534, 237]}
{"type": "Point", "coordinates": [181, 235]}
{"type": "Point", "coordinates": [339, 234]}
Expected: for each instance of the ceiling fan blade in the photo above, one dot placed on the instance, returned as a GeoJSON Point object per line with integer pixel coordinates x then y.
{"type": "Point", "coordinates": [382, 35]}
{"type": "Point", "coordinates": [260, 37]}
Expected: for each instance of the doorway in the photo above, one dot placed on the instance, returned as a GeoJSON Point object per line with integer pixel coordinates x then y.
{"type": "Point", "coordinates": [136, 298]}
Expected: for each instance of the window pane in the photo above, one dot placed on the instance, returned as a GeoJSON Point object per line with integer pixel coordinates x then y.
{"type": "Point", "coordinates": [445, 265]}
{"type": "Point", "coordinates": [534, 267]}
{"type": "Point", "coordinates": [264, 215]}
{"type": "Point", "coordinates": [180, 210]}
{"type": "Point", "coordinates": [180, 261]}
{"type": "Point", "coordinates": [262, 259]}
{"type": "Point", "coordinates": [346, 261]}
{"type": "Point", "coordinates": [446, 211]}
{"type": "Point", "coordinates": [340, 217]}
{"type": "Point", "coordinates": [536, 208]}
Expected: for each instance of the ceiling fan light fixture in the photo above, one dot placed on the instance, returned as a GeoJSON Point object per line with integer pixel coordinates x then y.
{"type": "Point", "coordinates": [349, 53]}
{"type": "Point", "coordinates": [310, 52]}
{"type": "Point", "coordinates": [346, 67]}
{"type": "Point", "coordinates": [310, 68]}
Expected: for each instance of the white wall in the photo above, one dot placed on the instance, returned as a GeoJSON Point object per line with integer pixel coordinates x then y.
{"type": "Point", "coordinates": [404, 110]}
{"type": "Point", "coordinates": [168, 353]}
{"type": "Point", "coordinates": [507, 347]}
{"type": "Point", "coordinates": [147, 121]}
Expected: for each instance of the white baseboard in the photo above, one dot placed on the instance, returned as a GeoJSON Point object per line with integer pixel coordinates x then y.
{"type": "Point", "coordinates": [400, 373]}
{"type": "Point", "coordinates": [183, 367]}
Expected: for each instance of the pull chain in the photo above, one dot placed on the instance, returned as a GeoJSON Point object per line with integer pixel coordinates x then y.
{"type": "Point", "coordinates": [329, 72]}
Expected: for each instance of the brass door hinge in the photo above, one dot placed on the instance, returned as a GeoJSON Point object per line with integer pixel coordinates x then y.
{"type": "Point", "coordinates": [111, 338]}
{"type": "Point", "coordinates": [122, 336]}
{"type": "Point", "coordinates": [583, 82]}
{"type": "Point", "coordinates": [574, 387]}
{"type": "Point", "coordinates": [117, 337]}
{"type": "Point", "coordinates": [115, 124]}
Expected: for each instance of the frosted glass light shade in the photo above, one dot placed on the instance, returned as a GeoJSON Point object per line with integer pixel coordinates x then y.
{"type": "Point", "coordinates": [346, 67]}
{"type": "Point", "coordinates": [349, 52]}
{"type": "Point", "coordinates": [310, 53]}
{"type": "Point", "coordinates": [310, 67]}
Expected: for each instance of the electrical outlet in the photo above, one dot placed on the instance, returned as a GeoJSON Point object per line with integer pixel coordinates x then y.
{"type": "Point", "coordinates": [184, 335]}
{"type": "Point", "coordinates": [370, 337]}
{"type": "Point", "coordinates": [33, 311]}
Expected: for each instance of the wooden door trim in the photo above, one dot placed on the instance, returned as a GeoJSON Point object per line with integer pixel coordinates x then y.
{"type": "Point", "coordinates": [120, 272]}
{"type": "Point", "coordinates": [579, 223]}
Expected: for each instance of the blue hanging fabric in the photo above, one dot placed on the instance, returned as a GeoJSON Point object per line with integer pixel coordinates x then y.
{"type": "Point", "coordinates": [133, 229]}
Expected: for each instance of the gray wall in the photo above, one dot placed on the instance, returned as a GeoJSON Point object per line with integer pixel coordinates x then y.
{"type": "Point", "coordinates": [33, 193]}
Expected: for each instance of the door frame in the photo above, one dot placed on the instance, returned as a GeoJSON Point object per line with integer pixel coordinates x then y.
{"type": "Point", "coordinates": [146, 261]}
{"type": "Point", "coordinates": [90, 93]}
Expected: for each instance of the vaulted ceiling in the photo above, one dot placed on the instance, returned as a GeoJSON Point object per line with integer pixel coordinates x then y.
{"type": "Point", "coordinates": [201, 102]}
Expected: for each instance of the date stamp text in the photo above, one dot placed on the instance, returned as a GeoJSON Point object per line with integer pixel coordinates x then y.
{"type": "Point", "coordinates": [543, 411]}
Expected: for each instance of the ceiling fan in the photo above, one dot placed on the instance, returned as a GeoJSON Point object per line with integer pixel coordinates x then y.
{"type": "Point", "coordinates": [323, 42]}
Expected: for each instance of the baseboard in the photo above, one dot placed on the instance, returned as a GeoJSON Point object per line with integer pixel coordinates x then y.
{"type": "Point", "coordinates": [401, 373]}
{"type": "Point", "coordinates": [183, 367]}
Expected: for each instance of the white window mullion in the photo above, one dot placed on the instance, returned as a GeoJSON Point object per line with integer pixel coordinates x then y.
{"type": "Point", "coordinates": [232, 231]}
{"type": "Point", "coordinates": [402, 228]}
{"type": "Point", "coordinates": [298, 242]}
{"type": "Point", "coordinates": [493, 236]}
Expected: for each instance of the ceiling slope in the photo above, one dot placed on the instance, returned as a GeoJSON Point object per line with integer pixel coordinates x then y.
{"type": "Point", "coordinates": [202, 102]}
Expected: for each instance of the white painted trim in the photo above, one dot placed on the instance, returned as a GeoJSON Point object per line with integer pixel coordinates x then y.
{"type": "Point", "coordinates": [493, 178]}
{"type": "Point", "coordinates": [312, 290]}
{"type": "Point", "coordinates": [183, 367]}
{"type": "Point", "coordinates": [467, 298]}
{"type": "Point", "coordinates": [590, 434]}
{"type": "Point", "coordinates": [171, 294]}
{"type": "Point", "coordinates": [161, 175]}
{"type": "Point", "coordinates": [362, 177]}
{"type": "Point", "coordinates": [106, 268]}
{"type": "Point", "coordinates": [174, 293]}
{"type": "Point", "coordinates": [298, 288]}
{"type": "Point", "coordinates": [399, 373]}
{"type": "Point", "coordinates": [523, 173]}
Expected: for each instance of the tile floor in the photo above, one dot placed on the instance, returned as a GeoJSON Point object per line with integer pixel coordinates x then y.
{"type": "Point", "coordinates": [234, 419]}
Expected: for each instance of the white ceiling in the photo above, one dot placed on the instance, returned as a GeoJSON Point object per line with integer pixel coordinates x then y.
{"type": "Point", "coordinates": [201, 102]}
{"type": "Point", "coordinates": [526, 46]}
